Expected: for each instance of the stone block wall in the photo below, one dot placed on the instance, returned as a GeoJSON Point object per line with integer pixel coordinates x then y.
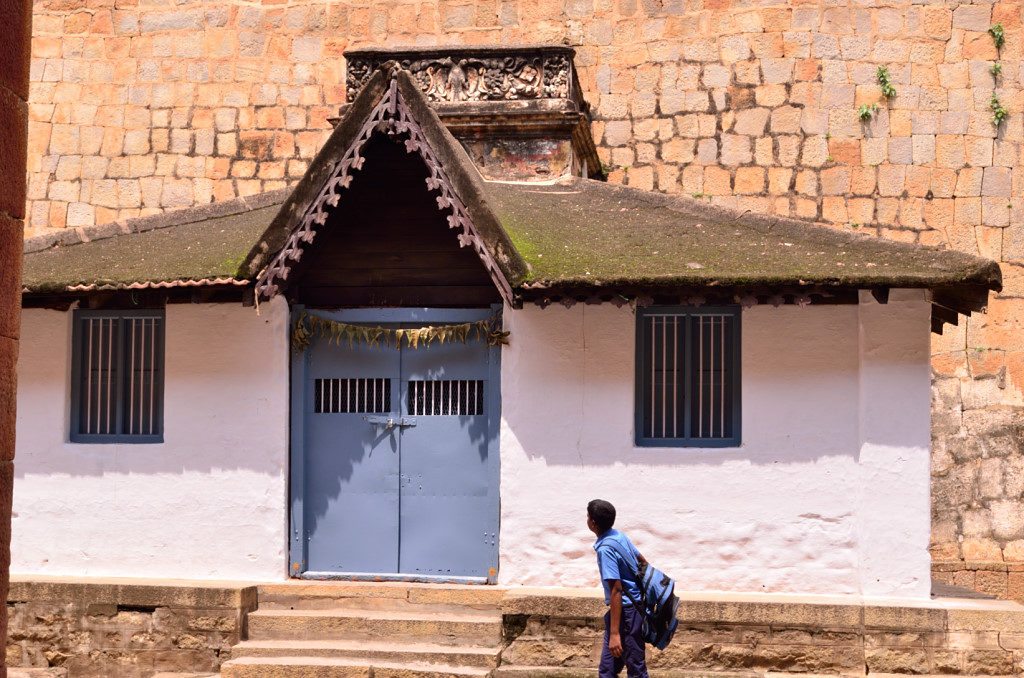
{"type": "Point", "coordinates": [559, 637]}
{"type": "Point", "coordinates": [139, 106]}
{"type": "Point", "coordinates": [105, 629]}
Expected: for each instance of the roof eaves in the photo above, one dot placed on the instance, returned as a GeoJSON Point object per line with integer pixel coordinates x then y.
{"type": "Point", "coordinates": [181, 217]}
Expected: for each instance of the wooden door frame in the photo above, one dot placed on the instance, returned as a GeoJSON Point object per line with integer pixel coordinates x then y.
{"type": "Point", "coordinates": [297, 547]}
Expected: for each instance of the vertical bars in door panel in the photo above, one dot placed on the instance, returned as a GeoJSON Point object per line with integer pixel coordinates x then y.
{"type": "Point", "coordinates": [351, 396]}
{"type": "Point", "coordinates": [446, 397]}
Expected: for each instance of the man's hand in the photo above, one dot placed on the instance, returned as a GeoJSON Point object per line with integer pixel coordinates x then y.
{"type": "Point", "coordinates": [615, 623]}
{"type": "Point", "coordinates": [615, 645]}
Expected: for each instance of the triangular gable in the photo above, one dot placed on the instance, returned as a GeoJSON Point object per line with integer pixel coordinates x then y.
{"type": "Point", "coordinates": [390, 103]}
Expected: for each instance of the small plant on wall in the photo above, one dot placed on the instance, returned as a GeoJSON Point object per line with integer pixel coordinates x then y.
{"type": "Point", "coordinates": [999, 112]}
{"type": "Point", "coordinates": [998, 36]}
{"type": "Point", "coordinates": [885, 82]}
{"type": "Point", "coordinates": [867, 111]}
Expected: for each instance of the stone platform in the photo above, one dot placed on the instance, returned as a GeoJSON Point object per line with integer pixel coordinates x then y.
{"type": "Point", "coordinates": [141, 629]}
{"type": "Point", "coordinates": [558, 633]}
{"type": "Point", "coordinates": [128, 628]}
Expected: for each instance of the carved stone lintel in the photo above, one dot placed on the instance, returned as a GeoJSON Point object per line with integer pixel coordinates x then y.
{"type": "Point", "coordinates": [471, 74]}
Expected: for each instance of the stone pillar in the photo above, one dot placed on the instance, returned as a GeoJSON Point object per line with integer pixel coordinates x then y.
{"type": "Point", "coordinates": [15, 42]}
{"type": "Point", "coordinates": [894, 513]}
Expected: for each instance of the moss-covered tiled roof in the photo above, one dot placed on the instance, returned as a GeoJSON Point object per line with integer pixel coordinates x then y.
{"type": "Point", "coordinates": [575, 233]}
{"type": "Point", "coordinates": [589, 233]}
{"type": "Point", "coordinates": [199, 244]}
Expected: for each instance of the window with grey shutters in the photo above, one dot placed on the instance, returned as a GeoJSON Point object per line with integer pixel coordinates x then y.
{"type": "Point", "coordinates": [688, 377]}
{"type": "Point", "coordinates": [117, 376]}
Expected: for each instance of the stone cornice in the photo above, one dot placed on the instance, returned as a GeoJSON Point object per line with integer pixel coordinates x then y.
{"type": "Point", "coordinates": [474, 74]}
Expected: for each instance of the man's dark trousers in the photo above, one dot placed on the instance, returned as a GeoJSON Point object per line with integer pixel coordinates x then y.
{"type": "Point", "coordinates": [632, 634]}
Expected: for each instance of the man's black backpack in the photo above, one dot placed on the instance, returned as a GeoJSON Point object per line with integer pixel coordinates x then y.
{"type": "Point", "coordinates": [658, 603]}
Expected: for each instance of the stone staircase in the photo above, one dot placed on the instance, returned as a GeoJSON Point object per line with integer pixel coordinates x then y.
{"type": "Point", "coordinates": [373, 630]}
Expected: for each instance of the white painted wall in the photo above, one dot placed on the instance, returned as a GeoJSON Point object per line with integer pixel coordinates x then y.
{"type": "Point", "coordinates": [208, 503]}
{"type": "Point", "coordinates": [895, 442]}
{"type": "Point", "coordinates": [828, 493]}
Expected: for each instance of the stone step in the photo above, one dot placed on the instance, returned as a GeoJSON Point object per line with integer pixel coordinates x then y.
{"type": "Point", "coordinates": [441, 628]}
{"type": "Point", "coordinates": [386, 651]}
{"type": "Point", "coordinates": [379, 596]}
{"type": "Point", "coordinates": [376, 604]}
{"type": "Point", "coordinates": [19, 672]}
{"type": "Point", "coordinates": [568, 672]}
{"type": "Point", "coordinates": [572, 672]}
{"type": "Point", "coordinates": [332, 667]}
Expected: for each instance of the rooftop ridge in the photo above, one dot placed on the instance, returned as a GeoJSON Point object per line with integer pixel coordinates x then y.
{"type": "Point", "coordinates": [181, 217]}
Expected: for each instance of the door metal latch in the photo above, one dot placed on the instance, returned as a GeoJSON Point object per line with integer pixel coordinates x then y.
{"type": "Point", "coordinates": [390, 422]}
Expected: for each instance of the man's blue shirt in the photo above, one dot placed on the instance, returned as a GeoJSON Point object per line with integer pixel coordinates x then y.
{"type": "Point", "coordinates": [618, 560]}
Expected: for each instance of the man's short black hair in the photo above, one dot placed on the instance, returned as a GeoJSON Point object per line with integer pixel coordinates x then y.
{"type": "Point", "coordinates": [602, 513]}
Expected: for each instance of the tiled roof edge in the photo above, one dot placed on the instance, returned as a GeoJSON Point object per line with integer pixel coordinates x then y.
{"type": "Point", "coordinates": [214, 210]}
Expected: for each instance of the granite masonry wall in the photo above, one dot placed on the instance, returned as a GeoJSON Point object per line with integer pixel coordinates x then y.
{"type": "Point", "coordinates": [139, 106]}
{"type": "Point", "coordinates": [107, 629]}
{"type": "Point", "coordinates": [560, 637]}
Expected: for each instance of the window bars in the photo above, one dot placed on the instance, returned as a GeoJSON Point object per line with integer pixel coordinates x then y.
{"type": "Point", "coordinates": [688, 377]}
{"type": "Point", "coordinates": [117, 376]}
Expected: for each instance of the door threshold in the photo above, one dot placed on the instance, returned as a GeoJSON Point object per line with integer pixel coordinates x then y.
{"type": "Point", "coordinates": [406, 578]}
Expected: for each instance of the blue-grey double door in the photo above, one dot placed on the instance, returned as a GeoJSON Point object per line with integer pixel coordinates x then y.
{"type": "Point", "coordinates": [400, 467]}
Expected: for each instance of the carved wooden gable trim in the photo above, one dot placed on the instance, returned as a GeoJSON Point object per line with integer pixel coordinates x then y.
{"type": "Point", "coordinates": [391, 116]}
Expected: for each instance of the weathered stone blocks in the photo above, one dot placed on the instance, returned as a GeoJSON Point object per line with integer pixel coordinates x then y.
{"type": "Point", "coordinates": [549, 633]}
{"type": "Point", "coordinates": [96, 629]}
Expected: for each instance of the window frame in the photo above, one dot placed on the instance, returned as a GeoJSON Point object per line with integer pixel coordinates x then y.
{"type": "Point", "coordinates": [642, 384]}
{"type": "Point", "coordinates": [79, 316]}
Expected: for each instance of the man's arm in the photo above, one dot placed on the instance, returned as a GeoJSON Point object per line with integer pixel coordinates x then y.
{"type": "Point", "coordinates": [615, 623]}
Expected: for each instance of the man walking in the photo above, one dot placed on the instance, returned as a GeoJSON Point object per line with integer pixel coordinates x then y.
{"type": "Point", "coordinates": [619, 562]}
